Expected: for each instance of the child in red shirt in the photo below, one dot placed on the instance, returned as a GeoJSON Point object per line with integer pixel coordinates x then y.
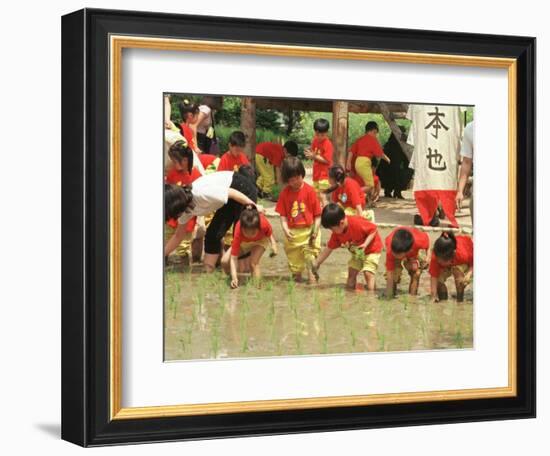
{"type": "Point", "coordinates": [183, 173]}
{"type": "Point", "coordinates": [252, 234]}
{"type": "Point", "coordinates": [452, 255]}
{"type": "Point", "coordinates": [361, 154]}
{"type": "Point", "coordinates": [300, 213]}
{"type": "Point", "coordinates": [269, 158]}
{"type": "Point", "coordinates": [360, 237]}
{"type": "Point", "coordinates": [189, 113]}
{"type": "Point", "coordinates": [345, 191]}
{"type": "Point", "coordinates": [320, 152]}
{"type": "Point", "coordinates": [233, 159]}
{"type": "Point", "coordinates": [405, 248]}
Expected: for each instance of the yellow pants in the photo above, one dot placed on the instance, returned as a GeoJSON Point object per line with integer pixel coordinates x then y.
{"type": "Point", "coordinates": [228, 238]}
{"type": "Point", "coordinates": [363, 262]}
{"type": "Point", "coordinates": [298, 251]}
{"type": "Point", "coordinates": [320, 185]}
{"type": "Point", "coordinates": [248, 246]}
{"type": "Point", "coordinates": [266, 174]}
{"type": "Point", "coordinates": [184, 249]}
{"type": "Point", "coordinates": [448, 272]}
{"type": "Point", "coordinates": [400, 265]}
{"type": "Point", "coordinates": [365, 213]}
{"type": "Point", "coordinates": [363, 167]}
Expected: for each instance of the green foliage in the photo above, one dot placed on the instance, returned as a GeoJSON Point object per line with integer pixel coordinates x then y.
{"type": "Point", "coordinates": [297, 126]}
{"type": "Point", "coordinates": [230, 114]}
{"type": "Point", "coordinates": [262, 135]}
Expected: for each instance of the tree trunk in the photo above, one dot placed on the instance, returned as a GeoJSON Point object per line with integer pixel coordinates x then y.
{"type": "Point", "coordinates": [248, 127]}
{"type": "Point", "coordinates": [340, 131]}
{"type": "Point", "coordinates": [290, 125]}
{"type": "Point", "coordinates": [406, 148]}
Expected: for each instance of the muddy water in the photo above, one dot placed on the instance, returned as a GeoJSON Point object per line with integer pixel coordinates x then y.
{"type": "Point", "coordinates": [205, 319]}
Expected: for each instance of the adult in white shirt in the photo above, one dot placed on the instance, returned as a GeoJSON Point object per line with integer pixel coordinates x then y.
{"type": "Point", "coordinates": [205, 125]}
{"type": "Point", "coordinates": [467, 154]}
{"type": "Point", "coordinates": [225, 193]}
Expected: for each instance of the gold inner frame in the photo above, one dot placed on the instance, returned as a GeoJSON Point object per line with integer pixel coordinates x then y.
{"type": "Point", "coordinates": [117, 44]}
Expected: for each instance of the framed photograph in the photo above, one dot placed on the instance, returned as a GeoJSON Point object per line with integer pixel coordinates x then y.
{"type": "Point", "coordinates": [268, 227]}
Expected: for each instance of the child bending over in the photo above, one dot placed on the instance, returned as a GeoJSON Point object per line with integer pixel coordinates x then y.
{"type": "Point", "coordinates": [405, 248]}
{"type": "Point", "coordinates": [362, 152]}
{"type": "Point", "coordinates": [224, 193]}
{"type": "Point", "coordinates": [360, 237]}
{"type": "Point", "coordinates": [181, 173]}
{"type": "Point", "coordinates": [252, 234]}
{"type": "Point", "coordinates": [269, 158]}
{"type": "Point", "coordinates": [452, 255]}
{"type": "Point", "coordinates": [345, 191]}
{"type": "Point", "coordinates": [300, 212]}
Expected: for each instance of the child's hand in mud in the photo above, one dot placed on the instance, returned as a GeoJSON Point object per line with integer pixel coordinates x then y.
{"type": "Point", "coordinates": [274, 251]}
{"type": "Point", "coordinates": [467, 278]}
{"type": "Point", "coordinates": [314, 267]}
{"type": "Point", "coordinates": [234, 283]}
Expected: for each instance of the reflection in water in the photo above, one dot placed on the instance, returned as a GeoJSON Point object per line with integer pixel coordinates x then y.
{"type": "Point", "coordinates": [205, 319]}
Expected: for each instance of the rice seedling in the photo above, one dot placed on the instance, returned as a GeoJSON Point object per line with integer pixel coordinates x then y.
{"type": "Point", "coordinates": [381, 340]}
{"type": "Point", "coordinates": [458, 339]}
{"type": "Point", "coordinates": [243, 323]}
{"type": "Point", "coordinates": [182, 344]}
{"type": "Point", "coordinates": [353, 337]}
{"type": "Point", "coordinates": [325, 334]}
{"type": "Point", "coordinates": [174, 310]}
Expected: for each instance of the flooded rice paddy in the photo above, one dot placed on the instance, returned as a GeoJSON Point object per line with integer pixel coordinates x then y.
{"type": "Point", "coordinates": [205, 319]}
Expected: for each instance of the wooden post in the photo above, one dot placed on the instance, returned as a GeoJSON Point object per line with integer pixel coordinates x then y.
{"type": "Point", "coordinates": [340, 131]}
{"type": "Point", "coordinates": [248, 127]}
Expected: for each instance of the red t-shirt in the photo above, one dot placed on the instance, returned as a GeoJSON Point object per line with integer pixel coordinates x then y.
{"type": "Point", "coordinates": [325, 149]}
{"type": "Point", "coordinates": [182, 178]}
{"type": "Point", "coordinates": [367, 146]}
{"type": "Point", "coordinates": [358, 230]}
{"type": "Point", "coordinates": [421, 241]}
{"type": "Point", "coordinates": [349, 194]}
{"type": "Point", "coordinates": [207, 159]}
{"type": "Point", "coordinates": [300, 208]}
{"type": "Point", "coordinates": [464, 255]}
{"type": "Point", "coordinates": [188, 135]}
{"type": "Point", "coordinates": [272, 151]}
{"type": "Point", "coordinates": [239, 237]}
{"type": "Point", "coordinates": [229, 162]}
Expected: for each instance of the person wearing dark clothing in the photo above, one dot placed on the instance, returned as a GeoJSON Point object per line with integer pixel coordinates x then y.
{"type": "Point", "coordinates": [396, 175]}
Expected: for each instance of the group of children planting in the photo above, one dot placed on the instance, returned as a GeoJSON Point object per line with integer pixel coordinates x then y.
{"type": "Point", "coordinates": [218, 209]}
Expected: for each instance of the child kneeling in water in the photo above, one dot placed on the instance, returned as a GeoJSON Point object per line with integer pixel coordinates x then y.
{"type": "Point", "coordinates": [362, 239]}
{"type": "Point", "coordinates": [405, 248]}
{"type": "Point", "coordinates": [253, 234]}
{"type": "Point", "coordinates": [452, 255]}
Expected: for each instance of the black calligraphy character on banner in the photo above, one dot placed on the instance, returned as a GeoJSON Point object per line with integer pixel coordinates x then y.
{"type": "Point", "coordinates": [436, 122]}
{"type": "Point", "coordinates": [437, 158]}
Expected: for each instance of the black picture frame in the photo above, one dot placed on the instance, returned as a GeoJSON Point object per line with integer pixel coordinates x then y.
{"type": "Point", "coordinates": [85, 227]}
